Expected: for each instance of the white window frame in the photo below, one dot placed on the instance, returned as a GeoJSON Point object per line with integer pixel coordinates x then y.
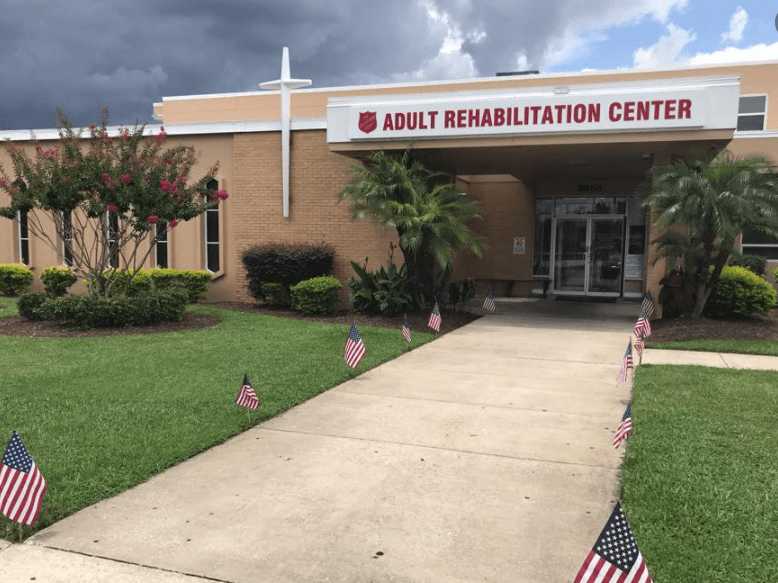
{"type": "Point", "coordinates": [217, 209]}
{"type": "Point", "coordinates": [157, 242]}
{"type": "Point", "coordinates": [763, 113]}
{"type": "Point", "coordinates": [65, 240]}
{"type": "Point", "coordinates": [20, 240]}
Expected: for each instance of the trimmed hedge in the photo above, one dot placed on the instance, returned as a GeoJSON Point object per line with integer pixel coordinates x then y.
{"type": "Point", "coordinates": [316, 296]}
{"type": "Point", "coordinates": [98, 312]}
{"type": "Point", "coordinates": [755, 263]}
{"type": "Point", "coordinates": [740, 293]}
{"type": "Point", "coordinates": [28, 305]}
{"type": "Point", "coordinates": [275, 295]}
{"type": "Point", "coordinates": [194, 281]}
{"type": "Point", "coordinates": [57, 280]}
{"type": "Point", "coordinates": [15, 279]}
{"type": "Point", "coordinates": [286, 264]}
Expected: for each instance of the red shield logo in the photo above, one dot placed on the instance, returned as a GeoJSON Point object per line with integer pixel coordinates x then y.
{"type": "Point", "coordinates": [367, 121]}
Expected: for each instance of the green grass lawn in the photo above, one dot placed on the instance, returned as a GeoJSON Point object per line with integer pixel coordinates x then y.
{"type": "Point", "coordinates": [101, 414]}
{"type": "Point", "coordinates": [701, 474]}
{"type": "Point", "coordinates": [7, 307]}
{"type": "Point", "coordinates": [768, 347]}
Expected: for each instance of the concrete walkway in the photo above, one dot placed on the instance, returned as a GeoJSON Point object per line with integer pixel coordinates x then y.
{"type": "Point", "coordinates": [483, 456]}
{"type": "Point", "coordinates": [715, 359]}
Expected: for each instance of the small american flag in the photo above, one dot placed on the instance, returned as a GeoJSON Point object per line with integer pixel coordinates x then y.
{"type": "Point", "coordinates": [615, 557]}
{"type": "Point", "coordinates": [489, 303]}
{"type": "Point", "coordinates": [642, 328]}
{"type": "Point", "coordinates": [22, 485]}
{"type": "Point", "coordinates": [626, 364]}
{"type": "Point", "coordinates": [640, 344]}
{"type": "Point", "coordinates": [435, 320]}
{"type": "Point", "coordinates": [647, 306]}
{"type": "Point", "coordinates": [355, 348]}
{"type": "Point", "coordinates": [406, 330]}
{"type": "Point", "coordinates": [624, 430]}
{"type": "Point", "coordinates": [247, 397]}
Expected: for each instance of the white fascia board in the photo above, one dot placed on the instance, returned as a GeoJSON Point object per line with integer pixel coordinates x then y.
{"type": "Point", "coordinates": [502, 78]}
{"type": "Point", "coordinates": [193, 129]}
{"type": "Point", "coordinates": [540, 91]}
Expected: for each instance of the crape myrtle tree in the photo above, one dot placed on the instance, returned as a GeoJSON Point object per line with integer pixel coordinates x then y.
{"type": "Point", "coordinates": [432, 218]}
{"type": "Point", "coordinates": [704, 206]}
{"type": "Point", "coordinates": [104, 196]}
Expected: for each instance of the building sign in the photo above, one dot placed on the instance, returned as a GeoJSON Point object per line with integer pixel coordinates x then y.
{"type": "Point", "coordinates": [519, 245]}
{"type": "Point", "coordinates": [674, 106]}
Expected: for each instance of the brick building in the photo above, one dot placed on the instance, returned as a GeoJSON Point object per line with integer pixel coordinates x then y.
{"type": "Point", "coordinates": [556, 161]}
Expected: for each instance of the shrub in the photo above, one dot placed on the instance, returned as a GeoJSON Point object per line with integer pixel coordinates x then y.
{"type": "Point", "coordinates": [461, 292]}
{"type": "Point", "coordinates": [383, 291]}
{"type": "Point", "coordinates": [15, 279]}
{"type": "Point", "coordinates": [285, 264]}
{"type": "Point", "coordinates": [194, 281]}
{"type": "Point", "coordinates": [318, 295]}
{"type": "Point", "coordinates": [29, 305]}
{"type": "Point", "coordinates": [275, 295]}
{"type": "Point", "coordinates": [740, 293]}
{"type": "Point", "coordinates": [92, 311]}
{"type": "Point", "coordinates": [57, 280]}
{"type": "Point", "coordinates": [755, 263]}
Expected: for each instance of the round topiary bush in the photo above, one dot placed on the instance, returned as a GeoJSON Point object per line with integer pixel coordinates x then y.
{"type": "Point", "coordinates": [15, 279]}
{"type": "Point", "coordinates": [29, 305]}
{"type": "Point", "coordinates": [57, 280]}
{"type": "Point", "coordinates": [740, 293]}
{"type": "Point", "coordinates": [316, 296]}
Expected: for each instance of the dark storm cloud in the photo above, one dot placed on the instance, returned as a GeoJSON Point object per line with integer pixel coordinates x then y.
{"type": "Point", "coordinates": [81, 55]}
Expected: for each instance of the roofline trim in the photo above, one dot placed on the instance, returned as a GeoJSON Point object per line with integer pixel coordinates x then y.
{"type": "Point", "coordinates": [500, 79]}
{"type": "Point", "coordinates": [191, 129]}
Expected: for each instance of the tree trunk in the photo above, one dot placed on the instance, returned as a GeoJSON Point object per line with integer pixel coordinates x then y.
{"type": "Point", "coordinates": [700, 299]}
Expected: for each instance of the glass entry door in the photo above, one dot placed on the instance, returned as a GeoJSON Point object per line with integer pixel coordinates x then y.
{"type": "Point", "coordinates": [570, 260]}
{"type": "Point", "coordinates": [588, 255]}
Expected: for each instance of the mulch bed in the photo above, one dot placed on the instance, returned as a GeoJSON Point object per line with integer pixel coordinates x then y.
{"type": "Point", "coordinates": [417, 321]}
{"type": "Point", "coordinates": [686, 329]}
{"type": "Point", "coordinates": [17, 326]}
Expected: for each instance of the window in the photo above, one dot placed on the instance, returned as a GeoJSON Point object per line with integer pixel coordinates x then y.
{"type": "Point", "coordinates": [24, 237]}
{"type": "Point", "coordinates": [67, 238]}
{"type": "Point", "coordinates": [751, 113]}
{"type": "Point", "coordinates": [544, 209]}
{"type": "Point", "coordinates": [161, 245]}
{"type": "Point", "coordinates": [211, 234]}
{"type": "Point", "coordinates": [756, 243]}
{"type": "Point", "coordinates": [111, 237]}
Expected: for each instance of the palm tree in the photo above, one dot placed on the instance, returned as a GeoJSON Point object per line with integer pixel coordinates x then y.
{"type": "Point", "coordinates": [431, 217]}
{"type": "Point", "coordinates": [705, 205]}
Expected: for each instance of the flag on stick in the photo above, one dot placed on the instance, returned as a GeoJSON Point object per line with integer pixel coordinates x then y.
{"type": "Point", "coordinates": [22, 485]}
{"type": "Point", "coordinates": [247, 397]}
{"type": "Point", "coordinates": [647, 306]}
{"type": "Point", "coordinates": [642, 328]}
{"type": "Point", "coordinates": [406, 330]}
{"type": "Point", "coordinates": [435, 319]}
{"type": "Point", "coordinates": [489, 303]}
{"type": "Point", "coordinates": [624, 430]}
{"type": "Point", "coordinates": [355, 348]}
{"type": "Point", "coordinates": [626, 363]}
{"type": "Point", "coordinates": [615, 557]}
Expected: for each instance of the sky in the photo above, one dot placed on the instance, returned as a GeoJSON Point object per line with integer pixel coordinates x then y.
{"type": "Point", "coordinates": [81, 55]}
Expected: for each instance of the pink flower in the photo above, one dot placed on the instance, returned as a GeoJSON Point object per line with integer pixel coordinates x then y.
{"type": "Point", "coordinates": [106, 179]}
{"type": "Point", "coordinates": [126, 178]}
{"type": "Point", "coordinates": [172, 223]}
{"type": "Point", "coordinates": [160, 137]}
{"type": "Point", "coordinates": [165, 185]}
{"type": "Point", "coordinates": [222, 194]}
{"type": "Point", "coordinates": [152, 219]}
{"type": "Point", "coordinates": [3, 183]}
{"type": "Point", "coordinates": [112, 207]}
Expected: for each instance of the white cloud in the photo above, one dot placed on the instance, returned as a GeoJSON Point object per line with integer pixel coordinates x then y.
{"type": "Point", "coordinates": [737, 24]}
{"type": "Point", "coordinates": [667, 50]}
{"type": "Point", "coordinates": [758, 52]}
